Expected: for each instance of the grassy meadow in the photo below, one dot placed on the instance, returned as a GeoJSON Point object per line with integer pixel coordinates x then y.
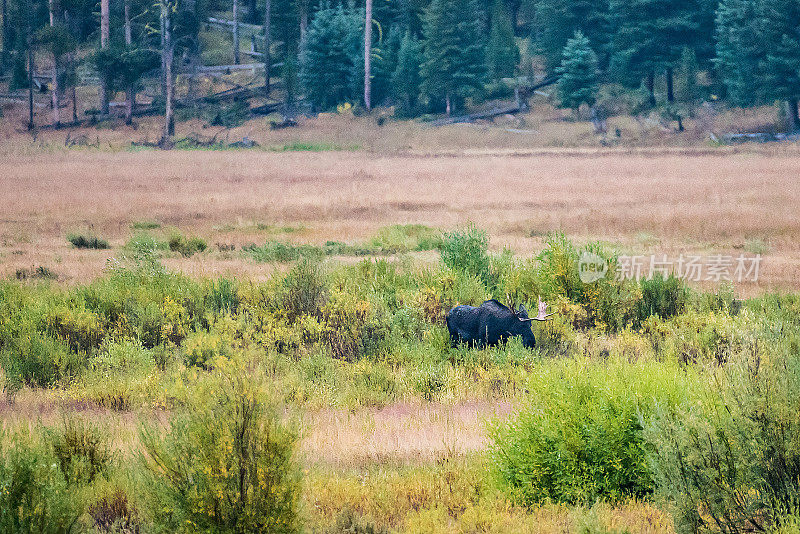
{"type": "Point", "coordinates": [254, 340]}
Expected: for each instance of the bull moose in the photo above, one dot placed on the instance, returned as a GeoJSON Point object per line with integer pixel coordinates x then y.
{"type": "Point", "coordinates": [491, 323]}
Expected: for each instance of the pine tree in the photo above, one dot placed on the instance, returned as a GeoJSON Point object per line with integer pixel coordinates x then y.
{"type": "Point", "coordinates": [578, 73]}
{"type": "Point", "coordinates": [406, 79]}
{"type": "Point", "coordinates": [689, 68]}
{"type": "Point", "coordinates": [557, 20]}
{"type": "Point", "coordinates": [332, 67]}
{"type": "Point", "coordinates": [502, 52]}
{"type": "Point", "coordinates": [740, 50]}
{"type": "Point", "coordinates": [650, 37]}
{"type": "Point", "coordinates": [453, 65]}
{"type": "Point", "coordinates": [384, 57]}
{"type": "Point", "coordinates": [782, 67]}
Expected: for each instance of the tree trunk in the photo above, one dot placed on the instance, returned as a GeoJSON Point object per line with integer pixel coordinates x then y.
{"type": "Point", "coordinates": [651, 82]}
{"type": "Point", "coordinates": [167, 56]}
{"type": "Point", "coordinates": [163, 69]}
{"type": "Point", "coordinates": [56, 100]}
{"type": "Point", "coordinates": [794, 120]}
{"type": "Point", "coordinates": [368, 56]}
{"type": "Point", "coordinates": [447, 104]}
{"type": "Point", "coordinates": [235, 32]}
{"type": "Point", "coordinates": [130, 91]}
{"type": "Point", "coordinates": [303, 23]}
{"type": "Point", "coordinates": [267, 45]}
{"type": "Point", "coordinates": [670, 86]}
{"type": "Point", "coordinates": [105, 32]}
{"type": "Point", "coordinates": [30, 78]}
{"type": "Point", "coordinates": [71, 62]}
{"type": "Point", "coordinates": [128, 34]}
{"type": "Point", "coordinates": [4, 57]}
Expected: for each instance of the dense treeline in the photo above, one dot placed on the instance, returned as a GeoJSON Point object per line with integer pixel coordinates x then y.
{"type": "Point", "coordinates": [424, 56]}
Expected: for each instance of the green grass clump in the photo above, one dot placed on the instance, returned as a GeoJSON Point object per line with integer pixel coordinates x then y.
{"type": "Point", "coordinates": [145, 243]}
{"type": "Point", "coordinates": [186, 246]}
{"type": "Point", "coordinates": [283, 252]}
{"type": "Point", "coordinates": [145, 225]}
{"type": "Point", "coordinates": [467, 250]}
{"type": "Point", "coordinates": [87, 241]}
{"type": "Point", "coordinates": [38, 273]}
{"type": "Point", "coordinates": [300, 146]}
{"type": "Point", "coordinates": [579, 438]}
{"type": "Point", "coordinates": [406, 238]}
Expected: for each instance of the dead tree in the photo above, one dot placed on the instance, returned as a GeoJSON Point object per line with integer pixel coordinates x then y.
{"type": "Point", "coordinates": [167, 57]}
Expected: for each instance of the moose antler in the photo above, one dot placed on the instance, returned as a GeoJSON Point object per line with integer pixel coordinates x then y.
{"type": "Point", "coordinates": [543, 315]}
{"type": "Point", "coordinates": [511, 305]}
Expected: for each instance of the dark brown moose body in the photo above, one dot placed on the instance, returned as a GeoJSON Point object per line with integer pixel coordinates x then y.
{"type": "Point", "coordinates": [491, 323]}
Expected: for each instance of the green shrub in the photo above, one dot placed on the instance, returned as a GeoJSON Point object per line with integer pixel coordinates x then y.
{"type": "Point", "coordinates": [664, 297]}
{"type": "Point", "coordinates": [370, 384]}
{"type": "Point", "coordinates": [223, 297]}
{"type": "Point", "coordinates": [303, 291]}
{"type": "Point", "coordinates": [87, 241]}
{"type": "Point", "coordinates": [35, 496]}
{"type": "Point", "coordinates": [187, 247]}
{"type": "Point", "coordinates": [82, 451]}
{"type": "Point", "coordinates": [466, 250]}
{"type": "Point", "coordinates": [79, 328]}
{"type": "Point", "coordinates": [352, 328]}
{"type": "Point", "coordinates": [35, 359]}
{"type": "Point", "coordinates": [120, 376]}
{"type": "Point", "coordinates": [144, 243]}
{"type": "Point", "coordinates": [730, 460]}
{"type": "Point", "coordinates": [226, 463]}
{"type": "Point", "coordinates": [609, 304]}
{"type": "Point", "coordinates": [147, 304]}
{"type": "Point", "coordinates": [580, 437]}
{"type": "Point", "coordinates": [429, 381]}
{"type": "Point", "coordinates": [113, 512]}
{"type": "Point", "coordinates": [202, 349]}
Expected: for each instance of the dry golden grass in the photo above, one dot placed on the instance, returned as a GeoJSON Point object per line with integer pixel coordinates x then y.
{"type": "Point", "coordinates": [643, 202]}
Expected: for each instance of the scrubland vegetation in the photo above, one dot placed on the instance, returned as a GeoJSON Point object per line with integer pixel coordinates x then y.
{"type": "Point", "coordinates": [148, 401]}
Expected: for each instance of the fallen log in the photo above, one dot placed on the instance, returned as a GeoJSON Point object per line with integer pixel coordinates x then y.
{"type": "Point", "coordinates": [488, 114]}
{"type": "Point", "coordinates": [228, 25]}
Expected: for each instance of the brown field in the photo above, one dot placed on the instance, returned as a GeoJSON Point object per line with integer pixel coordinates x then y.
{"type": "Point", "coordinates": [645, 201]}
{"type": "Point", "coordinates": [666, 201]}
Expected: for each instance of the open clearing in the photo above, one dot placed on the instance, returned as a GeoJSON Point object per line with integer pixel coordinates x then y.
{"type": "Point", "coordinates": [389, 461]}
{"type": "Point", "coordinates": [650, 202]}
